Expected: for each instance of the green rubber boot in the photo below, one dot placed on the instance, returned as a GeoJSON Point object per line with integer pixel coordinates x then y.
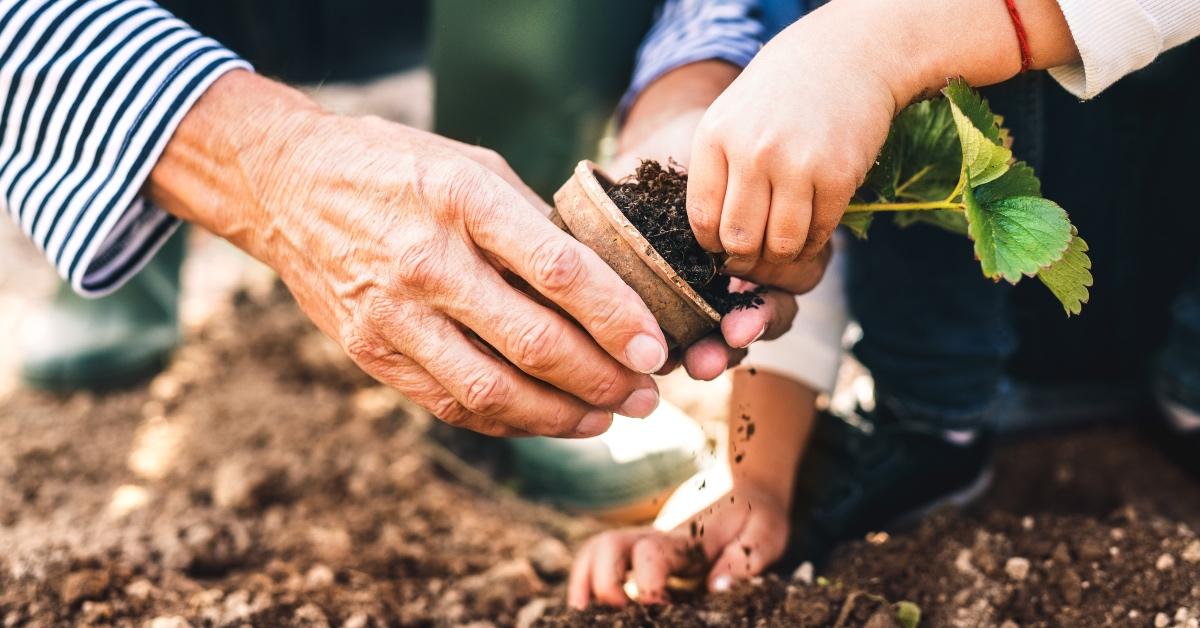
{"type": "Point", "coordinates": [112, 342]}
{"type": "Point", "coordinates": [537, 81]}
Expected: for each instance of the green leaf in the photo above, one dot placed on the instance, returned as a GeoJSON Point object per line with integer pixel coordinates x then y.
{"type": "Point", "coordinates": [1070, 277]}
{"type": "Point", "coordinates": [930, 156]}
{"type": "Point", "coordinates": [1015, 236]}
{"type": "Point", "coordinates": [1018, 180]}
{"type": "Point", "coordinates": [858, 223]}
{"type": "Point", "coordinates": [908, 614]}
{"type": "Point", "coordinates": [971, 104]}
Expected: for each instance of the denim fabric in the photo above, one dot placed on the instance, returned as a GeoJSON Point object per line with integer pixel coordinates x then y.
{"type": "Point", "coordinates": [942, 342]}
{"type": "Point", "coordinates": [937, 336]}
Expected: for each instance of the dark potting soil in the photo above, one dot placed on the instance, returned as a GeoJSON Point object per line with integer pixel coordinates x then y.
{"type": "Point", "coordinates": [655, 201]}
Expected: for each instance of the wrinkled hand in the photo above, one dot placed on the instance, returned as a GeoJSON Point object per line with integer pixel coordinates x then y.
{"type": "Point", "coordinates": [780, 153]}
{"type": "Point", "coordinates": [745, 531]}
{"type": "Point", "coordinates": [396, 243]}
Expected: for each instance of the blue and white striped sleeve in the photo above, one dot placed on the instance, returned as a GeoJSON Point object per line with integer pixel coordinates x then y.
{"type": "Point", "coordinates": [90, 93]}
{"type": "Point", "coordinates": [687, 31]}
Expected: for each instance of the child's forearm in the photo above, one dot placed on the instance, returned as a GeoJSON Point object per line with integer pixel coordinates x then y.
{"type": "Point", "coordinates": [770, 419]}
{"type": "Point", "coordinates": [924, 42]}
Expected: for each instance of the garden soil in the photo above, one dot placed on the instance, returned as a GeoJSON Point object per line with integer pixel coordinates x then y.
{"type": "Point", "coordinates": [262, 480]}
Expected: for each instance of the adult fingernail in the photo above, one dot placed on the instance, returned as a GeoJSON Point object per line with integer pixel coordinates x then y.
{"type": "Point", "coordinates": [722, 583]}
{"type": "Point", "coordinates": [645, 353]}
{"type": "Point", "coordinates": [594, 423]}
{"type": "Point", "coordinates": [757, 336]}
{"type": "Point", "coordinates": [640, 403]}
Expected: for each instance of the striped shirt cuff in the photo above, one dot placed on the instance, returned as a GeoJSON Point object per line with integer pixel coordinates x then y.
{"type": "Point", "coordinates": [90, 93]}
{"type": "Point", "coordinates": [688, 31]}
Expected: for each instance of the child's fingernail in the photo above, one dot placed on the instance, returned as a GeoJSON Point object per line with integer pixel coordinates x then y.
{"type": "Point", "coordinates": [722, 583]}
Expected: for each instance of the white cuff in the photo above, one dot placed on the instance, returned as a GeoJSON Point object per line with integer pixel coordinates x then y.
{"type": "Point", "coordinates": [1118, 37]}
{"type": "Point", "coordinates": [811, 350]}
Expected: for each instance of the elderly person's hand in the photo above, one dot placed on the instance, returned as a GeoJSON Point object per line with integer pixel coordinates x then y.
{"type": "Point", "coordinates": [662, 125]}
{"type": "Point", "coordinates": [405, 247]}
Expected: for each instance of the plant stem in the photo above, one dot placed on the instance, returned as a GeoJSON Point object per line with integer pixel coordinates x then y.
{"type": "Point", "coordinates": [903, 207]}
{"type": "Point", "coordinates": [913, 179]}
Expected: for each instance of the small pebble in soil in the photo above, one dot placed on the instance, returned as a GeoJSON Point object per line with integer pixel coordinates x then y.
{"type": "Point", "coordinates": [804, 573]}
{"type": "Point", "coordinates": [1191, 553]}
{"type": "Point", "coordinates": [1017, 568]}
{"type": "Point", "coordinates": [1161, 620]}
{"type": "Point", "coordinates": [1165, 562]}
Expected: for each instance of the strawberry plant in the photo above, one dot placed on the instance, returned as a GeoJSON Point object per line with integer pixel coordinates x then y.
{"type": "Point", "coordinates": [948, 162]}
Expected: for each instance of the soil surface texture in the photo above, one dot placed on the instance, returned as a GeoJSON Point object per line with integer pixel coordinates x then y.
{"type": "Point", "coordinates": [655, 201]}
{"type": "Point", "coordinates": [263, 480]}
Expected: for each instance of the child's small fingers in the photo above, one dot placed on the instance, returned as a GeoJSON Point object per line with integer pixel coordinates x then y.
{"type": "Point", "coordinates": [789, 219]}
{"type": "Point", "coordinates": [829, 203]}
{"type": "Point", "coordinates": [744, 218]}
{"type": "Point", "coordinates": [579, 585]}
{"type": "Point", "coordinates": [707, 180]}
{"type": "Point", "coordinates": [650, 570]}
{"type": "Point", "coordinates": [610, 563]}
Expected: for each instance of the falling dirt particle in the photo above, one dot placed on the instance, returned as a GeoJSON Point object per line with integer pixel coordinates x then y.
{"type": "Point", "coordinates": [703, 483]}
{"type": "Point", "coordinates": [1017, 568]}
{"type": "Point", "coordinates": [753, 371]}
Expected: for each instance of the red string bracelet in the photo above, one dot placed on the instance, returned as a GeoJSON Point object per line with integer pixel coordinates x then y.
{"type": "Point", "coordinates": [1022, 36]}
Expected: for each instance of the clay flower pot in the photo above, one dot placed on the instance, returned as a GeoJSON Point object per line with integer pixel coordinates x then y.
{"type": "Point", "coordinates": [587, 213]}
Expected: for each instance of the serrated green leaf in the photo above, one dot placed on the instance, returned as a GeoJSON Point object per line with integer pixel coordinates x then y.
{"type": "Point", "coordinates": [1018, 180]}
{"type": "Point", "coordinates": [908, 614]}
{"type": "Point", "coordinates": [971, 104]}
{"type": "Point", "coordinates": [1070, 277]}
{"type": "Point", "coordinates": [858, 223]}
{"type": "Point", "coordinates": [1016, 236]}
{"type": "Point", "coordinates": [930, 156]}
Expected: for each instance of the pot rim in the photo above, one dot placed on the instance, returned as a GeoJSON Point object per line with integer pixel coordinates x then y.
{"type": "Point", "coordinates": [588, 175]}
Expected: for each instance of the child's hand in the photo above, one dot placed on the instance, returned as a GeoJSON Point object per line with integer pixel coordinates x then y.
{"type": "Point", "coordinates": [738, 536]}
{"type": "Point", "coordinates": [779, 154]}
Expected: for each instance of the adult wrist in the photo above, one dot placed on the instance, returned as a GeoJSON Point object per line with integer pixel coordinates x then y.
{"type": "Point", "coordinates": [218, 169]}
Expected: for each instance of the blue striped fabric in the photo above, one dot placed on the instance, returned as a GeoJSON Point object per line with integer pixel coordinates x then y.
{"type": "Point", "coordinates": [688, 31]}
{"type": "Point", "coordinates": [91, 92]}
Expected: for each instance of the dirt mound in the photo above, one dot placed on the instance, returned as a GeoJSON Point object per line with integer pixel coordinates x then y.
{"type": "Point", "coordinates": [263, 480]}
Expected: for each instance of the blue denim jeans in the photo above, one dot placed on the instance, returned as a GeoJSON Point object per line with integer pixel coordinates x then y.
{"type": "Point", "coordinates": [944, 344]}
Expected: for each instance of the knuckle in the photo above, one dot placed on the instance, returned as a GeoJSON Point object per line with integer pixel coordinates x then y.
{"type": "Point", "coordinates": [737, 240]}
{"type": "Point", "coordinates": [535, 346]}
{"type": "Point", "coordinates": [557, 265]}
{"type": "Point", "coordinates": [606, 389]}
{"type": "Point", "coordinates": [449, 411]}
{"type": "Point", "coordinates": [781, 249]}
{"type": "Point", "coordinates": [487, 393]}
{"type": "Point", "coordinates": [421, 265]}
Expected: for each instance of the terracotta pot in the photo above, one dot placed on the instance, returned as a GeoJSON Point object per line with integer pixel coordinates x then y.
{"type": "Point", "coordinates": [587, 213]}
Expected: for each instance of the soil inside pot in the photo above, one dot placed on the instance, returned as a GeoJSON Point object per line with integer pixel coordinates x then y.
{"type": "Point", "coordinates": [655, 201]}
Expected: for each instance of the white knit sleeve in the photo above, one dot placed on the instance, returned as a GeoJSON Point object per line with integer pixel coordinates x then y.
{"type": "Point", "coordinates": [1118, 37]}
{"type": "Point", "coordinates": [811, 350]}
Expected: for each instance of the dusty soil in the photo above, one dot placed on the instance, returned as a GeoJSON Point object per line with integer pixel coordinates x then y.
{"type": "Point", "coordinates": [655, 201]}
{"type": "Point", "coordinates": [262, 480]}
